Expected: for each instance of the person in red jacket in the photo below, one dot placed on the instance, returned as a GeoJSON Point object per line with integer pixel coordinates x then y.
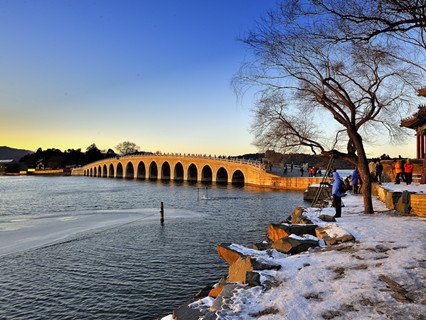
{"type": "Point", "coordinates": [408, 171]}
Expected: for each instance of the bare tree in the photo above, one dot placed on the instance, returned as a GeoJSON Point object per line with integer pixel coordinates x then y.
{"type": "Point", "coordinates": [401, 23]}
{"type": "Point", "coordinates": [127, 147]}
{"type": "Point", "coordinates": [310, 87]}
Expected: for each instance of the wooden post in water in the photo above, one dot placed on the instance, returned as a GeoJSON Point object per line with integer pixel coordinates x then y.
{"type": "Point", "coordinates": [161, 213]}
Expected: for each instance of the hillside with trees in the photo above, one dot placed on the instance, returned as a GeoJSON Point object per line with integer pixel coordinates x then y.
{"type": "Point", "coordinates": [7, 153]}
{"type": "Point", "coordinates": [56, 159]}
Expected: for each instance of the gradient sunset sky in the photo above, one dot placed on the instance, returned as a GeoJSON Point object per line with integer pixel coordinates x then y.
{"type": "Point", "coordinates": [153, 72]}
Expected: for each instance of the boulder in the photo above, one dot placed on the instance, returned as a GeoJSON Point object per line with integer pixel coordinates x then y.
{"type": "Point", "coordinates": [204, 292]}
{"type": "Point", "coordinates": [241, 270]}
{"type": "Point", "coordinates": [391, 199]}
{"type": "Point", "coordinates": [404, 204]}
{"type": "Point", "coordinates": [295, 244]}
{"type": "Point", "coordinates": [264, 245]}
{"type": "Point", "coordinates": [217, 288]}
{"type": "Point", "coordinates": [297, 216]}
{"type": "Point", "coordinates": [253, 279]}
{"type": "Point", "coordinates": [278, 231]}
{"type": "Point", "coordinates": [327, 218]}
{"type": "Point", "coordinates": [228, 254]}
{"type": "Point", "coordinates": [184, 312]}
{"type": "Point", "coordinates": [333, 234]}
{"type": "Point", "coordinates": [226, 293]}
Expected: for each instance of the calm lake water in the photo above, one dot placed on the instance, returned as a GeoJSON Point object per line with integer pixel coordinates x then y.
{"type": "Point", "coordinates": [93, 248]}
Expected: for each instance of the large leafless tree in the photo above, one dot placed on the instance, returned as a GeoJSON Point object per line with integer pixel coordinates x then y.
{"type": "Point", "coordinates": [401, 23]}
{"type": "Point", "coordinates": [311, 86]}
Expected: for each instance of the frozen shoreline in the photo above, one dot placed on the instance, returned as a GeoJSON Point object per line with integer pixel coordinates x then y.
{"type": "Point", "coordinates": [380, 275]}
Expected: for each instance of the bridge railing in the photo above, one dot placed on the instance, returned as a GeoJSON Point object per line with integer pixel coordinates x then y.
{"type": "Point", "coordinates": [251, 162]}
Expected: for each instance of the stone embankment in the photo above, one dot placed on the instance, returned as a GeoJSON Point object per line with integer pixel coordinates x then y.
{"type": "Point", "coordinates": [406, 200]}
{"type": "Point", "coordinates": [304, 230]}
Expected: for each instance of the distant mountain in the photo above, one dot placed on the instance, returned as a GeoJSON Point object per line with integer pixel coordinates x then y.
{"type": "Point", "coordinates": [7, 153]}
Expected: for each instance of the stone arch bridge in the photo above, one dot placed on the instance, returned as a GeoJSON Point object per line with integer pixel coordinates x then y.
{"type": "Point", "coordinates": [190, 168]}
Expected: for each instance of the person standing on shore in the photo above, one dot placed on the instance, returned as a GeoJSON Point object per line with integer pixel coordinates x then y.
{"type": "Point", "coordinates": [379, 171]}
{"type": "Point", "coordinates": [337, 196]}
{"type": "Point", "coordinates": [408, 169]}
{"type": "Point", "coordinates": [372, 169]}
{"type": "Point", "coordinates": [397, 170]}
{"type": "Point", "coordinates": [355, 181]}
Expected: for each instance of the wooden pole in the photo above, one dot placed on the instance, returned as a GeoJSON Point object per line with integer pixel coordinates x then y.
{"type": "Point", "coordinates": [161, 213]}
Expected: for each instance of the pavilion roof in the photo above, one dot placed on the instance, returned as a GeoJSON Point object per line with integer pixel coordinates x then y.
{"type": "Point", "coordinates": [416, 120]}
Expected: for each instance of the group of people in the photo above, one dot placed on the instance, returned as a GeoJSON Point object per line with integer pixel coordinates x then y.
{"type": "Point", "coordinates": [403, 171]}
{"type": "Point", "coordinates": [312, 171]}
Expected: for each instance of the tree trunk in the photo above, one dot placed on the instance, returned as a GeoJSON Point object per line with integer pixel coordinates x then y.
{"type": "Point", "coordinates": [364, 173]}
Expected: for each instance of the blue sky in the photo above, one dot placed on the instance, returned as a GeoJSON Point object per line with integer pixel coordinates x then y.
{"type": "Point", "coordinates": [156, 73]}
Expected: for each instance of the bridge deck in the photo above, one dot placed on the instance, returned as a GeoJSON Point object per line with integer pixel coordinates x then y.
{"type": "Point", "coordinates": [194, 168]}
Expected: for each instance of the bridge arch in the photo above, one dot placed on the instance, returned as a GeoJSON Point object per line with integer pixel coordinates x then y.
{"type": "Point", "coordinates": [111, 171]}
{"type": "Point", "coordinates": [178, 172]}
{"type": "Point", "coordinates": [84, 173]}
{"type": "Point", "coordinates": [141, 170]}
{"type": "Point", "coordinates": [95, 172]}
{"type": "Point", "coordinates": [165, 171]}
{"type": "Point", "coordinates": [192, 173]}
{"type": "Point", "coordinates": [238, 178]}
{"type": "Point", "coordinates": [153, 171]}
{"type": "Point", "coordinates": [99, 171]}
{"type": "Point", "coordinates": [104, 171]}
{"type": "Point", "coordinates": [222, 175]}
{"type": "Point", "coordinates": [206, 174]}
{"type": "Point", "coordinates": [91, 172]}
{"type": "Point", "coordinates": [119, 171]}
{"type": "Point", "coordinates": [130, 171]}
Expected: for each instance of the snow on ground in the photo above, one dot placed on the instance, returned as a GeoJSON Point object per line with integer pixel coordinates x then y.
{"type": "Point", "coordinates": [414, 187]}
{"type": "Point", "coordinates": [380, 276]}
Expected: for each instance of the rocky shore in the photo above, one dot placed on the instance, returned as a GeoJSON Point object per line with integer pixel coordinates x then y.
{"type": "Point", "coordinates": [312, 267]}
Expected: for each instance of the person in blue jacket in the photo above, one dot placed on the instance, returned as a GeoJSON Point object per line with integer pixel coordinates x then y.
{"type": "Point", "coordinates": [355, 181]}
{"type": "Point", "coordinates": [337, 195]}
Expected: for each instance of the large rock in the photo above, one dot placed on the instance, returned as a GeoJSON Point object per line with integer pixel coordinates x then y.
{"type": "Point", "coordinates": [297, 216]}
{"type": "Point", "coordinates": [278, 231]}
{"type": "Point", "coordinates": [391, 199]}
{"type": "Point", "coordinates": [228, 254]}
{"type": "Point", "coordinates": [226, 293]}
{"type": "Point", "coordinates": [333, 234]}
{"type": "Point", "coordinates": [404, 204]}
{"type": "Point", "coordinates": [185, 312]}
{"type": "Point", "coordinates": [242, 270]}
{"type": "Point", "coordinates": [264, 245]}
{"type": "Point", "coordinates": [327, 218]}
{"type": "Point", "coordinates": [295, 244]}
{"type": "Point", "coordinates": [217, 288]}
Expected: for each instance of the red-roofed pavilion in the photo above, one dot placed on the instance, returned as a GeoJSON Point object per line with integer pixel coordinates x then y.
{"type": "Point", "coordinates": [418, 122]}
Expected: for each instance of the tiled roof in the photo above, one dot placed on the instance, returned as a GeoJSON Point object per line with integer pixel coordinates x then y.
{"type": "Point", "coordinates": [416, 120]}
